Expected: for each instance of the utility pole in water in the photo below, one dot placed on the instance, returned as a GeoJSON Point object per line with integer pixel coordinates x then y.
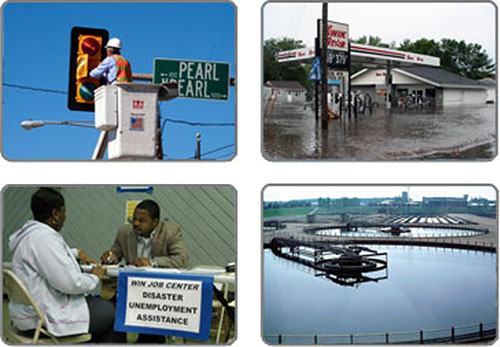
{"type": "Point", "coordinates": [324, 85]}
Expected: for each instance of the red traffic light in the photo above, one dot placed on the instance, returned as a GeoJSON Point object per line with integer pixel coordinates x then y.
{"type": "Point", "coordinates": [90, 45]}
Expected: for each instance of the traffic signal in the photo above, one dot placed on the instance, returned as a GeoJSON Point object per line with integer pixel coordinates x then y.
{"type": "Point", "coordinates": [86, 52]}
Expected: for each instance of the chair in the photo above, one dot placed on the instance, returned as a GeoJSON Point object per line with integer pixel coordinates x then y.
{"type": "Point", "coordinates": [17, 292]}
{"type": "Point", "coordinates": [216, 304]}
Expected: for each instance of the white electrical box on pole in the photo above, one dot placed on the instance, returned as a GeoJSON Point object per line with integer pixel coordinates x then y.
{"type": "Point", "coordinates": [128, 112]}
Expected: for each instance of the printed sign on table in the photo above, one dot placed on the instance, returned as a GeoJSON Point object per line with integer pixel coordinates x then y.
{"type": "Point", "coordinates": [164, 304]}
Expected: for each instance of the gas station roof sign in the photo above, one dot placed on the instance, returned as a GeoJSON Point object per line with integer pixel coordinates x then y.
{"type": "Point", "coordinates": [365, 51]}
{"type": "Point", "coordinates": [295, 54]}
{"type": "Point", "coordinates": [366, 54]}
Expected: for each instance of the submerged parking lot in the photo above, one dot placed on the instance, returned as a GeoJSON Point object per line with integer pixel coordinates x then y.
{"type": "Point", "coordinates": [461, 133]}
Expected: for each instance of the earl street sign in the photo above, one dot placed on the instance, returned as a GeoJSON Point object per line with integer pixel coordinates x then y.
{"type": "Point", "coordinates": [196, 79]}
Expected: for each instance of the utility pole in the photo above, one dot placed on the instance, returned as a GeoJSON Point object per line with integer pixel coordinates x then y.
{"type": "Point", "coordinates": [324, 85]}
{"type": "Point", "coordinates": [159, 143]}
{"type": "Point", "coordinates": [197, 155]}
{"type": "Point", "coordinates": [316, 82]}
{"type": "Point", "coordinates": [349, 87]}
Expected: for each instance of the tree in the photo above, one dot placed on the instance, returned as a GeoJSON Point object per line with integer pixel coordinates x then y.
{"type": "Point", "coordinates": [374, 41]}
{"type": "Point", "coordinates": [469, 60]}
{"type": "Point", "coordinates": [422, 46]}
{"type": "Point", "coordinates": [289, 71]}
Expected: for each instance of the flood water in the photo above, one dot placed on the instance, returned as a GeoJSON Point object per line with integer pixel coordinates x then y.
{"type": "Point", "coordinates": [413, 232]}
{"type": "Point", "coordinates": [291, 132]}
{"type": "Point", "coordinates": [426, 288]}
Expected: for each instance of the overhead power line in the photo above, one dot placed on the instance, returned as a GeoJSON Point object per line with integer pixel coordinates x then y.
{"type": "Point", "coordinates": [35, 88]}
{"type": "Point", "coordinates": [216, 150]}
{"type": "Point", "coordinates": [223, 155]}
{"type": "Point", "coordinates": [214, 124]}
{"type": "Point", "coordinates": [179, 121]}
{"type": "Point", "coordinates": [206, 153]}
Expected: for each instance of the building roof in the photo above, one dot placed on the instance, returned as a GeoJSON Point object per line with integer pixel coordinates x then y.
{"type": "Point", "coordinates": [438, 198]}
{"type": "Point", "coordinates": [438, 76]}
{"type": "Point", "coordinates": [490, 82]}
{"type": "Point", "coordinates": [294, 85]}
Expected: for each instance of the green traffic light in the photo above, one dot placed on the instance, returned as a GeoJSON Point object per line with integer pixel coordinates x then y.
{"type": "Point", "coordinates": [87, 91]}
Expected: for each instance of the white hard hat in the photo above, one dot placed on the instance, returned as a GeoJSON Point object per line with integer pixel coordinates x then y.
{"type": "Point", "coordinates": [114, 43]}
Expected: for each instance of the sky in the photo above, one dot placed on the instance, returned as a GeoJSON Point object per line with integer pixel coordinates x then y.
{"type": "Point", "coordinates": [36, 47]}
{"type": "Point", "coordinates": [392, 21]}
{"type": "Point", "coordinates": [286, 193]}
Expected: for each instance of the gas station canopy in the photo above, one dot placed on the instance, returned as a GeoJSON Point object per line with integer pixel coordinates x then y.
{"type": "Point", "coordinates": [368, 56]}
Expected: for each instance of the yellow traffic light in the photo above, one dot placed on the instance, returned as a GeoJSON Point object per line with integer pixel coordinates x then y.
{"type": "Point", "coordinates": [82, 66]}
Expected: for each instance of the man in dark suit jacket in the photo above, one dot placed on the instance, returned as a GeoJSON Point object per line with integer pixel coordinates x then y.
{"type": "Point", "coordinates": [148, 241]}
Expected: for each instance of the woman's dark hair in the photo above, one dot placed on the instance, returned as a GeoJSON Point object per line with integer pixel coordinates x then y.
{"type": "Point", "coordinates": [44, 201]}
{"type": "Point", "coordinates": [152, 208]}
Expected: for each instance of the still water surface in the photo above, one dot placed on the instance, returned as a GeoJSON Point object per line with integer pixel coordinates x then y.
{"type": "Point", "coordinates": [291, 132]}
{"type": "Point", "coordinates": [426, 288]}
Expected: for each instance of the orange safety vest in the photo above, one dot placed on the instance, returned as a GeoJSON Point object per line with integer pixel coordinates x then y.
{"type": "Point", "coordinates": [123, 69]}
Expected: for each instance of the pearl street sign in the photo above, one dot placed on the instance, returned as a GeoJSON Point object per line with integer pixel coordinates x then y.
{"type": "Point", "coordinates": [196, 79]}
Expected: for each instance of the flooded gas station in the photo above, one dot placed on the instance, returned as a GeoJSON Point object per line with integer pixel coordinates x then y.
{"type": "Point", "coordinates": [374, 103]}
{"type": "Point", "coordinates": [291, 131]}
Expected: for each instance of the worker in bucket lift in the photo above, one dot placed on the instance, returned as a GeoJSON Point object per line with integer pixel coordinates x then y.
{"type": "Point", "coordinates": [115, 68]}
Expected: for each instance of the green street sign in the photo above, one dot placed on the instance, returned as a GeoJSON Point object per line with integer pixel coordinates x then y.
{"type": "Point", "coordinates": [197, 79]}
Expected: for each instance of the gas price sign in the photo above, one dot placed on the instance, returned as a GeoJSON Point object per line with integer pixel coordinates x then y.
{"type": "Point", "coordinates": [337, 59]}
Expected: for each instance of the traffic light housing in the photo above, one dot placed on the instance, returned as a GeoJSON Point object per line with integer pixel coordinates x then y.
{"type": "Point", "coordinates": [86, 52]}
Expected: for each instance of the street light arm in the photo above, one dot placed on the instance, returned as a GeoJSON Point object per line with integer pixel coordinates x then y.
{"type": "Point", "coordinates": [64, 122]}
{"type": "Point", "coordinates": [31, 124]}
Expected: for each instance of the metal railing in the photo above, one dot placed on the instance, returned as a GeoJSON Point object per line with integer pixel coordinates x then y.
{"type": "Point", "coordinates": [427, 241]}
{"type": "Point", "coordinates": [328, 226]}
{"type": "Point", "coordinates": [464, 333]}
{"type": "Point", "coordinates": [376, 233]}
